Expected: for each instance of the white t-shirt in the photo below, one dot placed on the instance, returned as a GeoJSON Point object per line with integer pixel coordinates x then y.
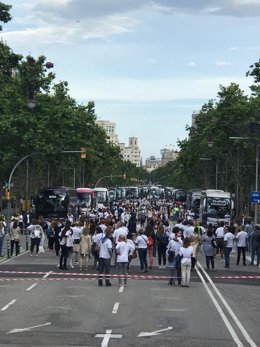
{"type": "Point", "coordinates": [105, 250]}
{"type": "Point", "coordinates": [228, 238]}
{"type": "Point", "coordinates": [220, 232]}
{"type": "Point", "coordinates": [123, 249]}
{"type": "Point", "coordinates": [241, 238]}
{"type": "Point", "coordinates": [118, 232]}
{"type": "Point", "coordinates": [186, 253]}
{"type": "Point", "coordinates": [141, 241]}
{"type": "Point", "coordinates": [77, 231]}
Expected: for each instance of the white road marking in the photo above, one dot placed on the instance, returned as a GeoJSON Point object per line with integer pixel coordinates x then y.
{"type": "Point", "coordinates": [107, 336]}
{"type": "Point", "coordinates": [115, 308]}
{"type": "Point", "coordinates": [13, 331]}
{"type": "Point", "coordinates": [31, 287]}
{"type": "Point", "coordinates": [48, 274]}
{"type": "Point", "coordinates": [232, 314]}
{"type": "Point", "coordinates": [8, 305]}
{"type": "Point", "coordinates": [153, 333]}
{"type": "Point", "coordinates": [121, 289]}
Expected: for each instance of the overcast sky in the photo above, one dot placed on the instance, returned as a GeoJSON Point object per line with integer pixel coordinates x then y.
{"type": "Point", "coordinates": [146, 64]}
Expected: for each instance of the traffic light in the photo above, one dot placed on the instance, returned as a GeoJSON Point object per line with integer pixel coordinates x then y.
{"type": "Point", "coordinates": [83, 154]}
{"type": "Point", "coordinates": [7, 194]}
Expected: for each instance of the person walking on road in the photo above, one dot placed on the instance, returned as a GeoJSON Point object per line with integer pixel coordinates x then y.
{"type": "Point", "coordinates": [255, 246]}
{"type": "Point", "coordinates": [105, 255]}
{"type": "Point", "coordinates": [220, 233]}
{"type": "Point", "coordinates": [66, 243]}
{"type": "Point", "coordinates": [123, 249]}
{"type": "Point", "coordinates": [2, 236]}
{"type": "Point", "coordinates": [186, 252]}
{"type": "Point", "coordinates": [228, 245]}
{"type": "Point", "coordinates": [15, 237]}
{"type": "Point", "coordinates": [36, 234]}
{"type": "Point", "coordinates": [208, 246]}
{"type": "Point", "coordinates": [241, 238]}
{"type": "Point", "coordinates": [162, 243]}
{"type": "Point", "coordinates": [142, 244]}
{"type": "Point", "coordinates": [85, 247]}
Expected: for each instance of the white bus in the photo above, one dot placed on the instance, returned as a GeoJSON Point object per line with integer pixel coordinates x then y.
{"type": "Point", "coordinates": [215, 206]}
{"type": "Point", "coordinates": [102, 196]}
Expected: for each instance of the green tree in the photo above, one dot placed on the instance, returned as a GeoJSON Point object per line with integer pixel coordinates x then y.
{"type": "Point", "coordinates": [5, 16]}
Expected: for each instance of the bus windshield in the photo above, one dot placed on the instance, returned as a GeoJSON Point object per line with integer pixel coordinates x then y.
{"type": "Point", "coordinates": [101, 196]}
{"type": "Point", "coordinates": [218, 207]}
{"type": "Point", "coordinates": [84, 199]}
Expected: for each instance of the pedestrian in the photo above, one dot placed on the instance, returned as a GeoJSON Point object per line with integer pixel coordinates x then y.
{"type": "Point", "coordinates": [2, 236]}
{"type": "Point", "coordinates": [95, 247]}
{"type": "Point", "coordinates": [123, 249]}
{"type": "Point", "coordinates": [255, 245]}
{"type": "Point", "coordinates": [15, 237]}
{"type": "Point", "coordinates": [36, 234]}
{"type": "Point", "coordinates": [241, 238]}
{"type": "Point", "coordinates": [77, 230]}
{"type": "Point", "coordinates": [162, 243]}
{"type": "Point", "coordinates": [51, 235]}
{"type": "Point", "coordinates": [209, 246]}
{"type": "Point", "coordinates": [85, 246]}
{"type": "Point", "coordinates": [142, 244]}
{"type": "Point", "coordinates": [195, 240]}
{"type": "Point", "coordinates": [172, 252]}
{"type": "Point", "coordinates": [105, 255]}
{"type": "Point", "coordinates": [220, 233]}
{"type": "Point", "coordinates": [228, 245]}
{"type": "Point", "coordinates": [150, 236]}
{"type": "Point", "coordinates": [186, 253]}
{"type": "Point", "coordinates": [66, 243]}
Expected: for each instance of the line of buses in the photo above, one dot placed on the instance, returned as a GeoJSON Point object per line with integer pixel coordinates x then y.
{"type": "Point", "coordinates": [211, 206]}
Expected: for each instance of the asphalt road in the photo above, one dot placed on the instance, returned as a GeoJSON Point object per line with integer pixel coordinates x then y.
{"type": "Point", "coordinates": [42, 305]}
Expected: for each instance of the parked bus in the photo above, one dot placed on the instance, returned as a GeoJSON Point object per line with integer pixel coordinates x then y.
{"type": "Point", "coordinates": [179, 196]}
{"type": "Point", "coordinates": [193, 201]}
{"type": "Point", "coordinates": [102, 196]}
{"type": "Point", "coordinates": [132, 192]}
{"type": "Point", "coordinates": [85, 200]}
{"type": "Point", "coordinates": [215, 206]}
{"type": "Point", "coordinates": [54, 202]}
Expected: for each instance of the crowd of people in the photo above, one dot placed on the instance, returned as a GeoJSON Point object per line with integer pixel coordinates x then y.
{"type": "Point", "coordinates": [149, 230]}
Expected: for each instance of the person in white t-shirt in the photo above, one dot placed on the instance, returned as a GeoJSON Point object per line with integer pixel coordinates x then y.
{"type": "Point", "coordinates": [123, 249]}
{"type": "Point", "coordinates": [228, 242]}
{"type": "Point", "coordinates": [241, 238]}
{"type": "Point", "coordinates": [105, 254]}
{"type": "Point", "coordinates": [186, 252]}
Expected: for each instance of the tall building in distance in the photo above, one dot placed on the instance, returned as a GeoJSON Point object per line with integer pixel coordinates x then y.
{"type": "Point", "coordinates": [193, 117]}
{"type": "Point", "coordinates": [131, 152]}
{"type": "Point", "coordinates": [110, 129]}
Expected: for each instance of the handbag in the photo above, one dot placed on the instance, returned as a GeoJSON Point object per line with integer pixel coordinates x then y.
{"type": "Point", "coordinates": [132, 256]}
{"type": "Point", "coordinates": [41, 249]}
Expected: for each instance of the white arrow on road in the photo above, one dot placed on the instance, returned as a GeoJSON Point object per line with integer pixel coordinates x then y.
{"type": "Point", "coordinates": [153, 333]}
{"type": "Point", "coordinates": [13, 331]}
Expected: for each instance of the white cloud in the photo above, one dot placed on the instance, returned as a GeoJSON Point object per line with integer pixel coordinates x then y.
{"type": "Point", "coordinates": [99, 28]}
{"type": "Point", "coordinates": [191, 63]}
{"type": "Point", "coordinates": [152, 90]}
{"type": "Point", "coordinates": [223, 63]}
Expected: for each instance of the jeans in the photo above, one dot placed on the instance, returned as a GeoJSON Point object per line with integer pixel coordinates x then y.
{"type": "Point", "coordinates": [1, 245]}
{"type": "Point", "coordinates": [64, 256]}
{"type": "Point", "coordinates": [227, 251]}
{"type": "Point", "coordinates": [122, 271]}
{"type": "Point", "coordinates": [35, 242]}
{"type": "Point", "coordinates": [104, 267]}
{"type": "Point", "coordinates": [255, 250]}
{"type": "Point", "coordinates": [210, 260]}
{"type": "Point", "coordinates": [15, 244]}
{"type": "Point", "coordinates": [239, 250]}
{"type": "Point", "coordinates": [142, 252]}
{"type": "Point", "coordinates": [161, 254]}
